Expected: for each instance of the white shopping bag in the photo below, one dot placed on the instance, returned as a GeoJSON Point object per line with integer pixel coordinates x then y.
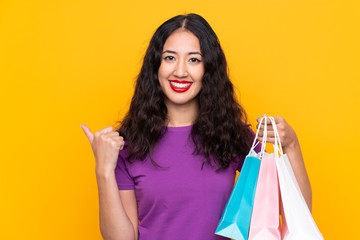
{"type": "Point", "coordinates": [298, 223]}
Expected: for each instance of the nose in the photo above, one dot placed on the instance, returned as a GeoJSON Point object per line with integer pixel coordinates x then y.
{"type": "Point", "coordinates": [180, 70]}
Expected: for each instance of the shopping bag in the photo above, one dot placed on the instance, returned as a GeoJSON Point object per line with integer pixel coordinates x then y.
{"type": "Point", "coordinates": [298, 223]}
{"type": "Point", "coordinates": [235, 220]}
{"type": "Point", "coordinates": [265, 220]}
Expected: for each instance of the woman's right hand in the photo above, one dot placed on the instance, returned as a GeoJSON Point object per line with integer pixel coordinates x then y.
{"type": "Point", "coordinates": [106, 145]}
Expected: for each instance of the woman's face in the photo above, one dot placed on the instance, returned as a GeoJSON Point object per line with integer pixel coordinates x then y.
{"type": "Point", "coordinates": [181, 68]}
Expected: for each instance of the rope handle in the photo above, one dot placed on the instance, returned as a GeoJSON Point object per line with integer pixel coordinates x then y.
{"type": "Point", "coordinates": [263, 140]}
{"type": "Point", "coordinates": [277, 144]}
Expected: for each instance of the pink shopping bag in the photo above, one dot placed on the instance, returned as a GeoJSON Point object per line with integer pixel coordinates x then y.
{"type": "Point", "coordinates": [265, 222]}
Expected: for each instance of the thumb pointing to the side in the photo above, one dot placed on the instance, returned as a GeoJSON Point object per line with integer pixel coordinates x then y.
{"type": "Point", "coordinates": [88, 133]}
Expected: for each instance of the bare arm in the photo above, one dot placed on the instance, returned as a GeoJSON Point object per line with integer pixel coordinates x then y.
{"type": "Point", "coordinates": [117, 210]}
{"type": "Point", "coordinates": [297, 163]}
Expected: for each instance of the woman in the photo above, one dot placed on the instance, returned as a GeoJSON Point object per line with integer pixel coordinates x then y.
{"type": "Point", "coordinates": [186, 136]}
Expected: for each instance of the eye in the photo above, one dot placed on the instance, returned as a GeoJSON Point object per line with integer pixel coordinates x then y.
{"type": "Point", "coordinates": [195, 60]}
{"type": "Point", "coordinates": [171, 58]}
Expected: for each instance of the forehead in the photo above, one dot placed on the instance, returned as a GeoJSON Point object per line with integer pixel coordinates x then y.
{"type": "Point", "coordinates": [182, 40]}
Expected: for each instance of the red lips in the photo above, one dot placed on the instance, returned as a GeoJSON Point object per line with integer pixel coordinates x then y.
{"type": "Point", "coordinates": [178, 89]}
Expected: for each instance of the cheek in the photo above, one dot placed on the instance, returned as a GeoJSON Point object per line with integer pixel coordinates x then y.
{"type": "Point", "coordinates": [160, 72]}
{"type": "Point", "coordinates": [200, 72]}
{"type": "Point", "coordinates": [163, 71]}
{"type": "Point", "coordinates": [161, 76]}
{"type": "Point", "coordinates": [199, 76]}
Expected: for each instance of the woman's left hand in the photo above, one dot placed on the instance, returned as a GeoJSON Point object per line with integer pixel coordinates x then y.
{"type": "Point", "coordinates": [287, 134]}
{"type": "Point", "coordinates": [291, 147]}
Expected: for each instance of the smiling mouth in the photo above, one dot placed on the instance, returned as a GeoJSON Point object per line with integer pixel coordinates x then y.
{"type": "Point", "coordinates": [180, 86]}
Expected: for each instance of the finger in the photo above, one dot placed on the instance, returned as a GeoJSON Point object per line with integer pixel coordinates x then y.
{"type": "Point", "coordinates": [269, 134]}
{"type": "Point", "coordinates": [268, 126]}
{"type": "Point", "coordinates": [112, 134]}
{"type": "Point", "coordinates": [115, 137]}
{"type": "Point", "coordinates": [259, 118]}
{"type": "Point", "coordinates": [267, 120]}
{"type": "Point", "coordinates": [268, 140]}
{"type": "Point", "coordinates": [118, 143]}
{"type": "Point", "coordinates": [106, 130]}
{"type": "Point", "coordinates": [121, 144]}
{"type": "Point", "coordinates": [88, 133]}
{"type": "Point", "coordinates": [118, 138]}
{"type": "Point", "coordinates": [279, 119]}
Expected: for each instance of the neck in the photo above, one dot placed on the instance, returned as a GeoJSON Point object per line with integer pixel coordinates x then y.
{"type": "Point", "coordinates": [181, 114]}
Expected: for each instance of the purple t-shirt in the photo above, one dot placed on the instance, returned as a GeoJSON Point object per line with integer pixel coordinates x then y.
{"type": "Point", "coordinates": [180, 200]}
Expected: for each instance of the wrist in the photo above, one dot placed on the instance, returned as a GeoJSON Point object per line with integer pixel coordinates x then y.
{"type": "Point", "coordinates": [104, 172]}
{"type": "Point", "coordinates": [293, 146]}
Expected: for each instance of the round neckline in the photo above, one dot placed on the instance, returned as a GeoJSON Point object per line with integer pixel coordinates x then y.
{"type": "Point", "coordinates": [178, 129]}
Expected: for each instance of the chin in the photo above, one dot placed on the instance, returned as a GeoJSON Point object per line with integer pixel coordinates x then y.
{"type": "Point", "coordinates": [177, 101]}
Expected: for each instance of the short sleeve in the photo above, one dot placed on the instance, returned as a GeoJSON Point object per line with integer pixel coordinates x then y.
{"type": "Point", "coordinates": [257, 149]}
{"type": "Point", "coordinates": [123, 178]}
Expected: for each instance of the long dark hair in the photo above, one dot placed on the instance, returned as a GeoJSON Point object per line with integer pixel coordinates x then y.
{"type": "Point", "coordinates": [220, 132]}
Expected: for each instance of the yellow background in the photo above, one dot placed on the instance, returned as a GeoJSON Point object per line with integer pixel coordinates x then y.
{"type": "Point", "coordinates": [71, 62]}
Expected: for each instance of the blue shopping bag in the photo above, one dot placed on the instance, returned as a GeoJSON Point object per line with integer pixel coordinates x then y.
{"type": "Point", "coordinates": [235, 220]}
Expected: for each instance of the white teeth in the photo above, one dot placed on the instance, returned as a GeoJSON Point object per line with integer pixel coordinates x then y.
{"type": "Point", "coordinates": [180, 85]}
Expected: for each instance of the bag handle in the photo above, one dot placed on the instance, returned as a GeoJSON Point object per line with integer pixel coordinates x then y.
{"type": "Point", "coordinates": [277, 144]}
{"type": "Point", "coordinates": [263, 140]}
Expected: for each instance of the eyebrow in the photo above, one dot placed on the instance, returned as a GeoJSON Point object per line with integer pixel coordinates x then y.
{"type": "Point", "coordinates": [173, 52]}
